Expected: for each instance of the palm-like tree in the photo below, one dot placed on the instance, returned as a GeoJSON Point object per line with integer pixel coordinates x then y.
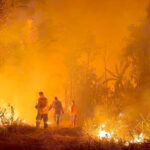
{"type": "Point", "coordinates": [117, 76]}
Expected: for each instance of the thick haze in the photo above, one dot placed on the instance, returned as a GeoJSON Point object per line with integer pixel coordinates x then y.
{"type": "Point", "coordinates": [40, 38]}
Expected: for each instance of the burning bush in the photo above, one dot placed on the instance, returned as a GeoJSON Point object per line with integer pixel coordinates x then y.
{"type": "Point", "coordinates": [9, 116]}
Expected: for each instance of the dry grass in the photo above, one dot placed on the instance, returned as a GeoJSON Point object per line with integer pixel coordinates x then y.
{"type": "Point", "coordinates": [30, 138]}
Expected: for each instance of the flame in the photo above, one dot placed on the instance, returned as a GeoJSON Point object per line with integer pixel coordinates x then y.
{"type": "Point", "coordinates": [103, 134]}
{"type": "Point", "coordinates": [9, 116]}
{"type": "Point", "coordinates": [139, 139]}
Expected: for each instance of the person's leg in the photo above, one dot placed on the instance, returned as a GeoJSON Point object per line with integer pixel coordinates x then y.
{"type": "Point", "coordinates": [74, 120]}
{"type": "Point", "coordinates": [57, 119]}
{"type": "Point", "coordinates": [38, 120]}
{"type": "Point", "coordinates": [71, 118]}
{"type": "Point", "coordinates": [45, 119]}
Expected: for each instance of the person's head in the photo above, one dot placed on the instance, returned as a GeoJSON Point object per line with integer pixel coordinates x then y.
{"type": "Point", "coordinates": [73, 102]}
{"type": "Point", "coordinates": [55, 98]}
{"type": "Point", "coordinates": [41, 94]}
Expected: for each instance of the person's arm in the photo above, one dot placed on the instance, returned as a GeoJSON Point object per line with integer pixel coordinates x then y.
{"type": "Point", "coordinates": [51, 106]}
{"type": "Point", "coordinates": [62, 110]}
{"type": "Point", "coordinates": [36, 106]}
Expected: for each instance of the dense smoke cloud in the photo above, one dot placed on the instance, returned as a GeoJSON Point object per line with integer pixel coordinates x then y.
{"type": "Point", "coordinates": [41, 39]}
{"type": "Point", "coordinates": [138, 52]}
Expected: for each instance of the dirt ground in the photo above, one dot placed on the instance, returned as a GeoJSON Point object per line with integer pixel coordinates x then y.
{"type": "Point", "coordinates": [63, 138]}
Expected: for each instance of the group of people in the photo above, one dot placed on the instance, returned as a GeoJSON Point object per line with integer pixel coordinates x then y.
{"type": "Point", "coordinates": [43, 108]}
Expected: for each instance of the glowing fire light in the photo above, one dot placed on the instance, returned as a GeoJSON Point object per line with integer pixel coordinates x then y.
{"type": "Point", "coordinates": [9, 116]}
{"type": "Point", "coordinates": [102, 133]}
{"type": "Point", "coordinates": [127, 143]}
{"type": "Point", "coordinates": [49, 123]}
{"type": "Point", "coordinates": [139, 139]}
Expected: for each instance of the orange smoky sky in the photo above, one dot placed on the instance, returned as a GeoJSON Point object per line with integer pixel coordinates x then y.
{"type": "Point", "coordinates": [107, 22]}
{"type": "Point", "coordinates": [41, 36]}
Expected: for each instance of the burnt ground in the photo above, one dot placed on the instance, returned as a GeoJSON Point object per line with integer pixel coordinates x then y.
{"type": "Point", "coordinates": [30, 138]}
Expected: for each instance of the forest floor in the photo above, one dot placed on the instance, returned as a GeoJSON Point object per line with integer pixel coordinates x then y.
{"type": "Point", "coordinates": [63, 138]}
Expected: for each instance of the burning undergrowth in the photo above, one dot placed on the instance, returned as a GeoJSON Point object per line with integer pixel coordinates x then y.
{"type": "Point", "coordinates": [9, 116]}
{"type": "Point", "coordinates": [120, 128]}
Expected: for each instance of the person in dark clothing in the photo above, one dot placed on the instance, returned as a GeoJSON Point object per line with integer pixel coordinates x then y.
{"type": "Point", "coordinates": [42, 110]}
{"type": "Point", "coordinates": [58, 110]}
